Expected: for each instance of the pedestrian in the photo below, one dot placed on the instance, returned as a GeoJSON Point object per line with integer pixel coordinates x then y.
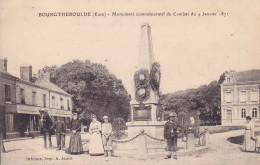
{"type": "Point", "coordinates": [106, 136]}
{"type": "Point", "coordinates": [171, 135]}
{"type": "Point", "coordinates": [75, 146]}
{"type": "Point", "coordinates": [60, 128]}
{"type": "Point", "coordinates": [95, 144]}
{"type": "Point", "coordinates": [249, 143]}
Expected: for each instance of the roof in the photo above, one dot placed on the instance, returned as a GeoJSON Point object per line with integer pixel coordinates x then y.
{"type": "Point", "coordinates": [47, 84]}
{"type": "Point", "coordinates": [247, 76]}
{"type": "Point", "coordinates": [7, 73]}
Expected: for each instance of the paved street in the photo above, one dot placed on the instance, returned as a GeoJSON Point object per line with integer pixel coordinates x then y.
{"type": "Point", "coordinates": [222, 152]}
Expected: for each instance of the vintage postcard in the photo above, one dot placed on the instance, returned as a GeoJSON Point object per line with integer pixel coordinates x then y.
{"type": "Point", "coordinates": [129, 82]}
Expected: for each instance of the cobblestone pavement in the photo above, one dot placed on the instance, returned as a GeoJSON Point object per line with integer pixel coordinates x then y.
{"type": "Point", "coordinates": [31, 152]}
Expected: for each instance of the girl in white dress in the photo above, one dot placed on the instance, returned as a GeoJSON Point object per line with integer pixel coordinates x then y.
{"type": "Point", "coordinates": [95, 144]}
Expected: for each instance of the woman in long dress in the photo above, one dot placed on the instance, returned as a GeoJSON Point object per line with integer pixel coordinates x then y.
{"type": "Point", "coordinates": [95, 144]}
{"type": "Point", "coordinates": [75, 146]}
{"type": "Point", "coordinates": [249, 143]}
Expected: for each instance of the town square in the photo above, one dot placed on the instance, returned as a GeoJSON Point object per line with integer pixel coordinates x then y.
{"type": "Point", "coordinates": [178, 87]}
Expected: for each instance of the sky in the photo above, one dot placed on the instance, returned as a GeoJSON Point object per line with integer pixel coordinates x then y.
{"type": "Point", "coordinates": [192, 51]}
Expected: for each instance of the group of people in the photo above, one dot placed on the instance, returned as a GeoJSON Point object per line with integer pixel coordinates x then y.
{"type": "Point", "coordinates": [251, 143]}
{"type": "Point", "coordinates": [100, 136]}
{"type": "Point", "coordinates": [101, 143]}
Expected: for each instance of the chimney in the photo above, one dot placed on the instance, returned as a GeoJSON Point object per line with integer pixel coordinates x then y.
{"type": "Point", "coordinates": [44, 74]}
{"type": "Point", "coordinates": [26, 73]}
{"type": "Point", "coordinates": [3, 64]}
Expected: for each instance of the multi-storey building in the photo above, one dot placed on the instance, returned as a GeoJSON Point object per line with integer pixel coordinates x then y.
{"type": "Point", "coordinates": [22, 98]}
{"type": "Point", "coordinates": [7, 97]}
{"type": "Point", "coordinates": [240, 97]}
{"type": "Point", "coordinates": [30, 97]}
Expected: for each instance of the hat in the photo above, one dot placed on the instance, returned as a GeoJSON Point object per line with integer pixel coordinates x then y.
{"type": "Point", "coordinates": [105, 117]}
{"type": "Point", "coordinates": [93, 116]}
{"type": "Point", "coordinates": [173, 114]}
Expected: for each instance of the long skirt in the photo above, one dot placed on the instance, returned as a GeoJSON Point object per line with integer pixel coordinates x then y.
{"type": "Point", "coordinates": [249, 143]}
{"type": "Point", "coordinates": [96, 145]}
{"type": "Point", "coordinates": [75, 145]}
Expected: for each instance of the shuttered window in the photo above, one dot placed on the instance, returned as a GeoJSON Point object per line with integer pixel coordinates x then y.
{"type": "Point", "coordinates": [7, 93]}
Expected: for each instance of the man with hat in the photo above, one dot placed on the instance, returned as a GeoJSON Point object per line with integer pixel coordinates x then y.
{"type": "Point", "coordinates": [60, 128]}
{"type": "Point", "coordinates": [171, 134]}
{"type": "Point", "coordinates": [106, 136]}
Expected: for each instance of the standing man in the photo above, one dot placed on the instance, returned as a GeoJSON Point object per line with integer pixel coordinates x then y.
{"type": "Point", "coordinates": [106, 136]}
{"type": "Point", "coordinates": [60, 133]}
{"type": "Point", "coordinates": [171, 134]}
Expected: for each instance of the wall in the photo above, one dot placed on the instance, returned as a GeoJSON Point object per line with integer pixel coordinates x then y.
{"type": "Point", "coordinates": [10, 106]}
{"type": "Point", "coordinates": [58, 102]}
{"type": "Point", "coordinates": [236, 105]}
{"type": "Point", "coordinates": [29, 88]}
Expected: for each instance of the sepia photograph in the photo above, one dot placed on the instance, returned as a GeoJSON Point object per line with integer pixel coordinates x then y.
{"type": "Point", "coordinates": [129, 82]}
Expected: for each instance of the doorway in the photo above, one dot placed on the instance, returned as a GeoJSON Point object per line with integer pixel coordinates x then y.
{"type": "Point", "coordinates": [229, 116]}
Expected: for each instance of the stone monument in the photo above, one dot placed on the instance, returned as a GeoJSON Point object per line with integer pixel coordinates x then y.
{"type": "Point", "coordinates": [145, 105]}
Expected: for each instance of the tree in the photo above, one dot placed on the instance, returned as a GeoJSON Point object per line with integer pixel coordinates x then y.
{"type": "Point", "coordinates": [94, 89]}
{"type": "Point", "coordinates": [206, 100]}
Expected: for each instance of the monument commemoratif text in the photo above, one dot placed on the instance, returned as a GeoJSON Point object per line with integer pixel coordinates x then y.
{"type": "Point", "coordinates": [147, 83]}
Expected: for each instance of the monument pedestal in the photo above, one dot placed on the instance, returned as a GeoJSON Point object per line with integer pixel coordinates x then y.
{"type": "Point", "coordinates": [143, 117]}
{"type": "Point", "coordinates": [153, 128]}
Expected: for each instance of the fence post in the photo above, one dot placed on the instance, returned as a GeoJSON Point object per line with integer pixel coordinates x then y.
{"type": "Point", "coordinates": [143, 150]}
{"type": "Point", "coordinates": [206, 138]}
{"type": "Point", "coordinates": [190, 144]}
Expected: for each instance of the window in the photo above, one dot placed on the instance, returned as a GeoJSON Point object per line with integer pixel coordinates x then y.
{"type": "Point", "coordinates": [254, 96]}
{"type": "Point", "coordinates": [44, 100]}
{"type": "Point", "coordinates": [33, 98]}
{"type": "Point", "coordinates": [243, 113]}
{"type": "Point", "coordinates": [61, 103]}
{"type": "Point", "coordinates": [53, 101]}
{"type": "Point", "coordinates": [242, 96]}
{"type": "Point", "coordinates": [22, 96]}
{"type": "Point", "coordinates": [228, 97]}
{"type": "Point", "coordinates": [254, 112]}
{"type": "Point", "coordinates": [68, 104]}
{"type": "Point", "coordinates": [7, 93]}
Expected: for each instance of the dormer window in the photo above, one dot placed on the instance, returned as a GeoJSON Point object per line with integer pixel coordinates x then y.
{"type": "Point", "coordinates": [228, 79]}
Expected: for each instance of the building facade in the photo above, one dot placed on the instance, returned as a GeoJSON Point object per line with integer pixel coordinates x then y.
{"type": "Point", "coordinates": [22, 99]}
{"type": "Point", "coordinates": [7, 97]}
{"type": "Point", "coordinates": [30, 97]}
{"type": "Point", "coordinates": [240, 97]}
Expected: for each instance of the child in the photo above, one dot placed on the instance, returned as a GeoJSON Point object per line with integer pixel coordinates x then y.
{"type": "Point", "coordinates": [106, 136]}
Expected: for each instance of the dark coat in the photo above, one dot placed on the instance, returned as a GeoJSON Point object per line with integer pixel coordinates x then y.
{"type": "Point", "coordinates": [75, 125]}
{"type": "Point", "coordinates": [169, 126]}
{"type": "Point", "coordinates": [60, 127]}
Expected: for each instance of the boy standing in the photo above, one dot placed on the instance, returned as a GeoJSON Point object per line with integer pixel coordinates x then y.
{"type": "Point", "coordinates": [60, 133]}
{"type": "Point", "coordinates": [106, 136]}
